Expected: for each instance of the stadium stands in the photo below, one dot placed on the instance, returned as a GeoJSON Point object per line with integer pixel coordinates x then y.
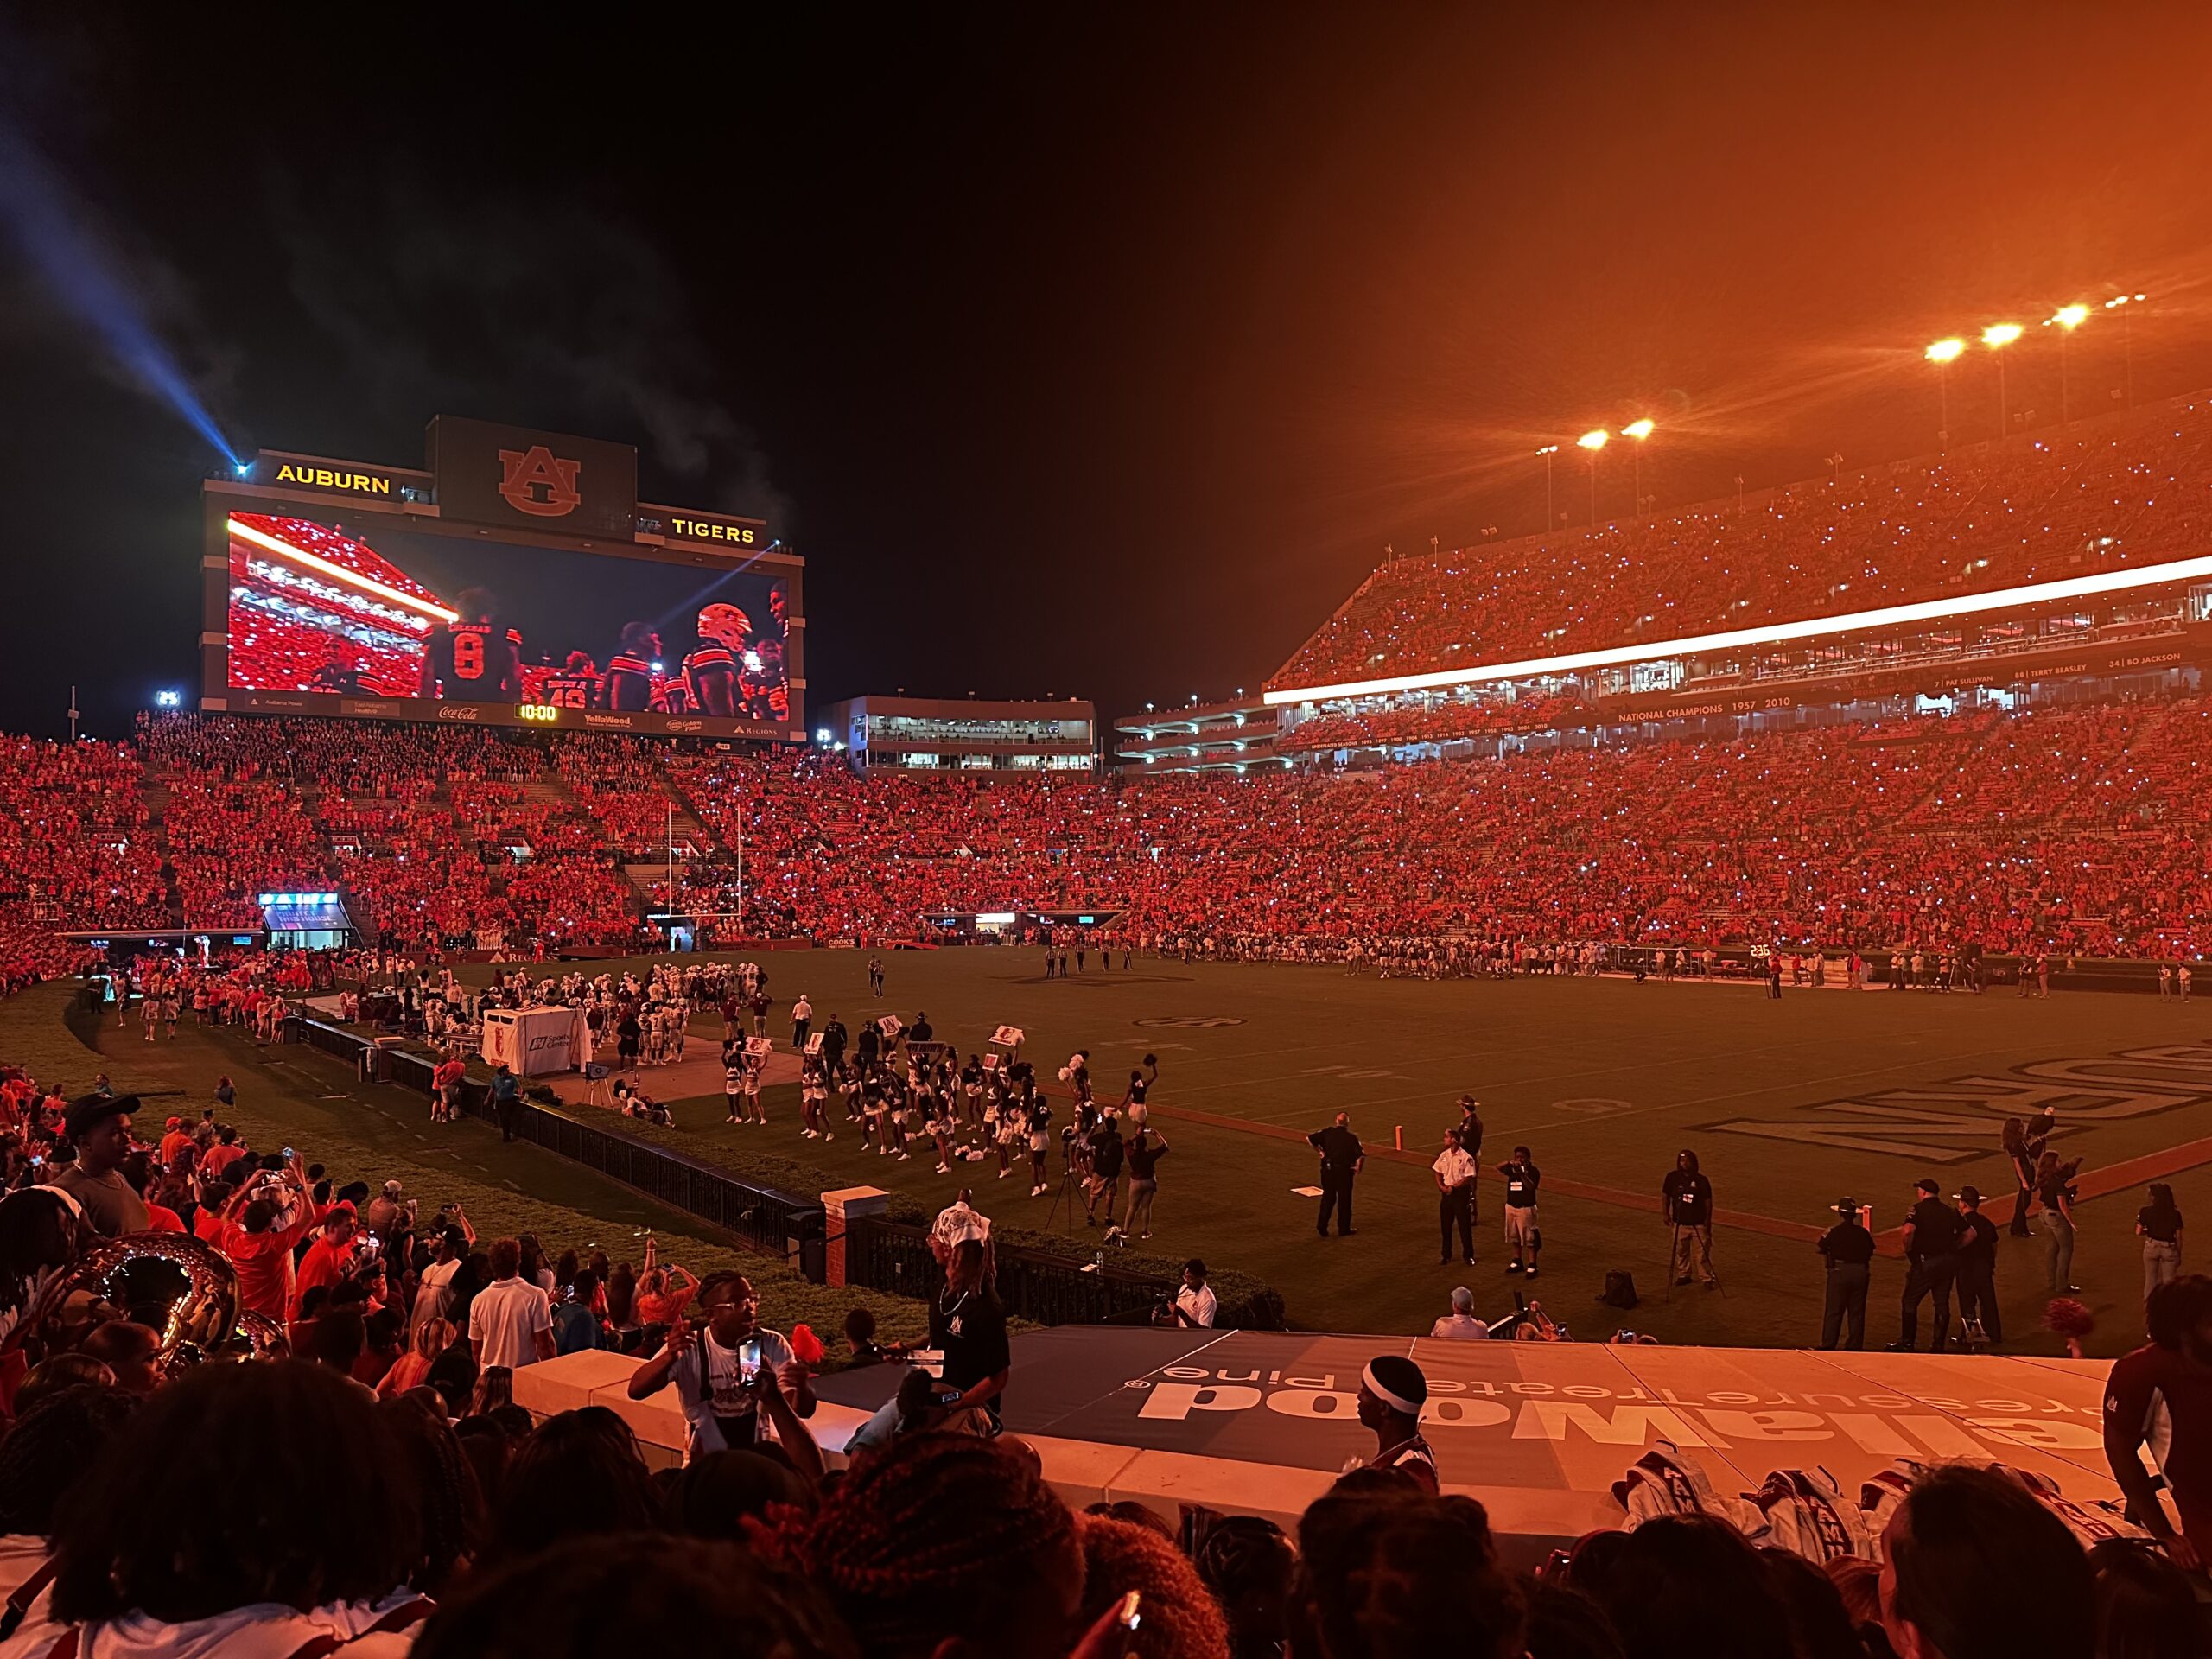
{"type": "Point", "coordinates": [2076, 829]}
{"type": "Point", "coordinates": [2126, 491]}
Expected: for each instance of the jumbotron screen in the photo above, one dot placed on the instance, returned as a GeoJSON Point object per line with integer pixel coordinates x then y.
{"type": "Point", "coordinates": [354, 609]}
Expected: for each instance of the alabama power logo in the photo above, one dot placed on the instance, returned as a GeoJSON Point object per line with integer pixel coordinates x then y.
{"type": "Point", "coordinates": [537, 481]}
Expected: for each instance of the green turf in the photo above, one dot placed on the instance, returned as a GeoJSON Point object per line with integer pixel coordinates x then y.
{"type": "Point", "coordinates": [300, 1097]}
{"type": "Point", "coordinates": [1605, 1079]}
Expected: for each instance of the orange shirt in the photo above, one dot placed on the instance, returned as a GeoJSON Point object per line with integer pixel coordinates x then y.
{"type": "Point", "coordinates": [264, 1262]}
{"type": "Point", "coordinates": [160, 1218]}
{"type": "Point", "coordinates": [173, 1143]}
{"type": "Point", "coordinates": [323, 1264]}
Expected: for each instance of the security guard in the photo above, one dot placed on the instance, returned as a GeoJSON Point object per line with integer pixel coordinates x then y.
{"type": "Point", "coordinates": [1979, 1321]}
{"type": "Point", "coordinates": [1931, 1240]}
{"type": "Point", "coordinates": [1455, 1206]}
{"type": "Point", "coordinates": [1342, 1157]}
{"type": "Point", "coordinates": [1848, 1248]}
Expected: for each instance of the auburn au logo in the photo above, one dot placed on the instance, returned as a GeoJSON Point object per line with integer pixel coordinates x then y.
{"type": "Point", "coordinates": [539, 482]}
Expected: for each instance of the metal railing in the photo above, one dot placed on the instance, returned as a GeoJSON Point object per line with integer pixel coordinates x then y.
{"type": "Point", "coordinates": [1045, 1289]}
{"type": "Point", "coordinates": [761, 1218]}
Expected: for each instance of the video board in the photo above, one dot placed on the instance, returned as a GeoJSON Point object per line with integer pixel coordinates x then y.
{"type": "Point", "coordinates": [519, 581]}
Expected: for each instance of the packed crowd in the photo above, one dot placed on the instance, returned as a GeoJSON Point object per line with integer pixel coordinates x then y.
{"type": "Point", "coordinates": [2076, 829]}
{"type": "Point", "coordinates": [2131, 490]}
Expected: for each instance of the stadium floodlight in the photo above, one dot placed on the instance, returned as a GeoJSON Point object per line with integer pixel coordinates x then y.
{"type": "Point", "coordinates": [1593, 441]}
{"type": "Point", "coordinates": [1942, 354]}
{"type": "Point", "coordinates": [1639, 430]}
{"type": "Point", "coordinates": [1996, 336]}
{"type": "Point", "coordinates": [1819, 627]}
{"type": "Point", "coordinates": [2068, 318]}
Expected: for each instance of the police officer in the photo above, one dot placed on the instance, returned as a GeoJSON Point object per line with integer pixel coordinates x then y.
{"type": "Point", "coordinates": [1848, 1248]}
{"type": "Point", "coordinates": [1342, 1158]}
{"type": "Point", "coordinates": [1979, 1321]}
{"type": "Point", "coordinates": [1931, 1240]}
{"type": "Point", "coordinates": [1455, 1184]}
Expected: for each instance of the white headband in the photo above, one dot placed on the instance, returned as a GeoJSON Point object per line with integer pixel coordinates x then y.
{"type": "Point", "coordinates": [1395, 1402]}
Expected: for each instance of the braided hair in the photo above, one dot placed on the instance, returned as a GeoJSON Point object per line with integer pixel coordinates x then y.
{"type": "Point", "coordinates": [1386, 1570]}
{"type": "Point", "coordinates": [940, 1535]}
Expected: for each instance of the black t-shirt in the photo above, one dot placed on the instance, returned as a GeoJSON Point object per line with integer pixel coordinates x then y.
{"type": "Point", "coordinates": [2164, 1225]}
{"type": "Point", "coordinates": [1848, 1242]}
{"type": "Point", "coordinates": [1935, 1228]}
{"type": "Point", "coordinates": [1142, 1158]}
{"type": "Point", "coordinates": [1691, 1197]}
{"type": "Point", "coordinates": [971, 1330]}
{"type": "Point", "coordinates": [2058, 1186]}
{"type": "Point", "coordinates": [1521, 1182]}
{"type": "Point", "coordinates": [1340, 1149]}
{"type": "Point", "coordinates": [1106, 1151]}
{"type": "Point", "coordinates": [1977, 1240]}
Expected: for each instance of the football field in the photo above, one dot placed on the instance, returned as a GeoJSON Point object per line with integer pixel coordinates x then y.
{"type": "Point", "coordinates": [1790, 1105]}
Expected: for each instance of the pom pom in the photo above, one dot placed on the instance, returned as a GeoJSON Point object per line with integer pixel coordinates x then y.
{"type": "Point", "coordinates": [806, 1347]}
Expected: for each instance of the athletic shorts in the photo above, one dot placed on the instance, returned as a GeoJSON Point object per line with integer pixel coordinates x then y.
{"type": "Point", "coordinates": [1521, 1228]}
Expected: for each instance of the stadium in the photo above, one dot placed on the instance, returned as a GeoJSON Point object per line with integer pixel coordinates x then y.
{"type": "Point", "coordinates": [529, 1127]}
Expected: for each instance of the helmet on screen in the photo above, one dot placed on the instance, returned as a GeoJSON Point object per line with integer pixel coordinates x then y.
{"type": "Point", "coordinates": [725, 624]}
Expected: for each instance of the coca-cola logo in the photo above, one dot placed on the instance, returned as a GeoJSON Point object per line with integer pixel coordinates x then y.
{"type": "Point", "coordinates": [463, 711]}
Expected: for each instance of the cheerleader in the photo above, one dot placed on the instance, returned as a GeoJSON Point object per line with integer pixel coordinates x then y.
{"type": "Point", "coordinates": [971, 1094]}
{"type": "Point", "coordinates": [872, 1118]}
{"type": "Point", "coordinates": [733, 1079]}
{"type": "Point", "coordinates": [1038, 1117]}
{"type": "Point", "coordinates": [941, 1131]}
{"type": "Point", "coordinates": [812, 1093]}
{"type": "Point", "coordinates": [755, 1111]}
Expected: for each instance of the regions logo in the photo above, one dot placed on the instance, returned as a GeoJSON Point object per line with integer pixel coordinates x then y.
{"type": "Point", "coordinates": [1957, 1119]}
{"type": "Point", "coordinates": [1184, 1021]}
{"type": "Point", "coordinates": [537, 481]}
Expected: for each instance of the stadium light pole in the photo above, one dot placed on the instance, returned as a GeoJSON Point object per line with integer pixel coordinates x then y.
{"type": "Point", "coordinates": [2067, 318]}
{"type": "Point", "coordinates": [1593, 441]}
{"type": "Point", "coordinates": [1639, 430]}
{"type": "Point", "coordinates": [1551, 516]}
{"type": "Point", "coordinates": [1943, 353]}
{"type": "Point", "coordinates": [1997, 337]}
{"type": "Point", "coordinates": [2119, 302]}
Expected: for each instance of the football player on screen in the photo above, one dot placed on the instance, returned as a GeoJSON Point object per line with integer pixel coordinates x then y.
{"type": "Point", "coordinates": [574, 685]}
{"type": "Point", "coordinates": [473, 659]}
{"type": "Point", "coordinates": [764, 685]}
{"type": "Point", "coordinates": [629, 682]}
{"type": "Point", "coordinates": [710, 672]}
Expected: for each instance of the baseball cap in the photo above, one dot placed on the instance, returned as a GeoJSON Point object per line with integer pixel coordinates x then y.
{"type": "Point", "coordinates": [1929, 1185]}
{"type": "Point", "coordinates": [87, 1112]}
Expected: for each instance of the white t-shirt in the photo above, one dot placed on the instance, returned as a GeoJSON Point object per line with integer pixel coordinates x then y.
{"type": "Point", "coordinates": [1199, 1306]}
{"type": "Point", "coordinates": [435, 1297]}
{"type": "Point", "coordinates": [504, 1319]}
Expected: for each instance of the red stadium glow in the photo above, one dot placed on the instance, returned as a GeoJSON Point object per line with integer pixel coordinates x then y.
{"type": "Point", "coordinates": [2111, 582]}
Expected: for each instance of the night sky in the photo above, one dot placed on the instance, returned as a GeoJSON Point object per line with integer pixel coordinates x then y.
{"type": "Point", "coordinates": [1092, 350]}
